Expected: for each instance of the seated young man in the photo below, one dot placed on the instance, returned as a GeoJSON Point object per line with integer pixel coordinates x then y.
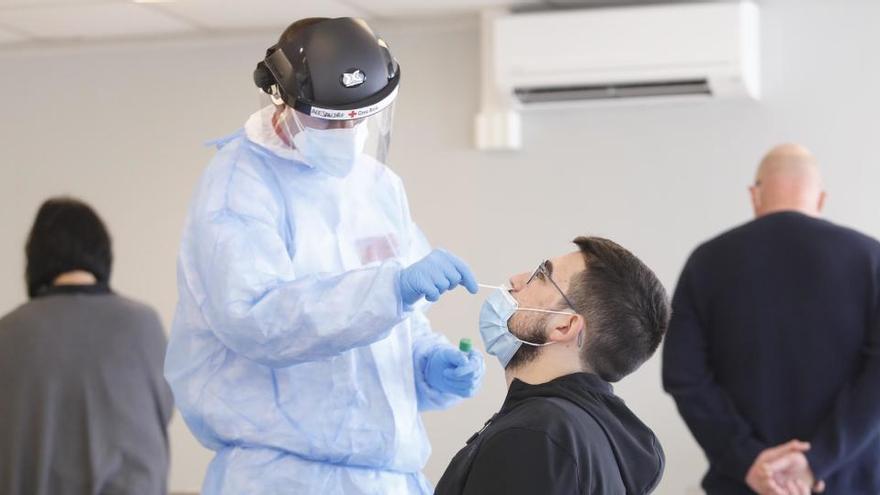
{"type": "Point", "coordinates": [562, 333]}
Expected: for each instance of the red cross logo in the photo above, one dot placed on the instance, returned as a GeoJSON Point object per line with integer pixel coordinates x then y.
{"type": "Point", "coordinates": [352, 114]}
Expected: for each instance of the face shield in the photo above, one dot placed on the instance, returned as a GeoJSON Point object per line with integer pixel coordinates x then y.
{"type": "Point", "coordinates": [331, 145]}
{"type": "Point", "coordinates": [329, 96]}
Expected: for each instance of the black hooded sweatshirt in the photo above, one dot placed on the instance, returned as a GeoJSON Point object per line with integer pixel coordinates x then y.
{"type": "Point", "coordinates": [571, 435]}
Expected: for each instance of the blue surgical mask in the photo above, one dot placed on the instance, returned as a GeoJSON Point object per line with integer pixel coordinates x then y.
{"type": "Point", "coordinates": [494, 317]}
{"type": "Point", "coordinates": [333, 151]}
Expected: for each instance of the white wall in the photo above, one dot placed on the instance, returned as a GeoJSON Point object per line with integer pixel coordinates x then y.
{"type": "Point", "coordinates": [122, 126]}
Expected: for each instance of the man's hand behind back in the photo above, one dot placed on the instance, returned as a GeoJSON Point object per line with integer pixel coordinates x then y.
{"type": "Point", "coordinates": [783, 470]}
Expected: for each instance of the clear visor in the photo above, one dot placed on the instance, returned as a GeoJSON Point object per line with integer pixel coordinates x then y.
{"type": "Point", "coordinates": [326, 143]}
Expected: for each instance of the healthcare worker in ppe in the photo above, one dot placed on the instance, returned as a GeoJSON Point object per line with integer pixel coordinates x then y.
{"type": "Point", "coordinates": [300, 352]}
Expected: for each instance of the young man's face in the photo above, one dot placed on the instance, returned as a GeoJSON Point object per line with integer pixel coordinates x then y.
{"type": "Point", "coordinates": [541, 293]}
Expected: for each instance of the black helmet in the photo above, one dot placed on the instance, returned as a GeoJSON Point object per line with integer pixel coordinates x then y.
{"type": "Point", "coordinates": [335, 69]}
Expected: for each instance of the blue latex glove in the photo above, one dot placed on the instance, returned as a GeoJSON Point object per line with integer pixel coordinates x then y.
{"type": "Point", "coordinates": [451, 371]}
{"type": "Point", "coordinates": [433, 275]}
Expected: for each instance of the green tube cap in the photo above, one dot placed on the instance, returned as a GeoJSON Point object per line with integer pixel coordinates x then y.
{"type": "Point", "coordinates": [465, 345]}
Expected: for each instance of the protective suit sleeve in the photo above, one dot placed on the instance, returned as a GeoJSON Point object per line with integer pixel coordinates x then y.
{"type": "Point", "coordinates": [710, 414]}
{"type": "Point", "coordinates": [425, 340]}
{"type": "Point", "coordinates": [257, 305]}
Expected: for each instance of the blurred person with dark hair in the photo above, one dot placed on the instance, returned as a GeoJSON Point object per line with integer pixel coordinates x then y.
{"type": "Point", "coordinates": [85, 407]}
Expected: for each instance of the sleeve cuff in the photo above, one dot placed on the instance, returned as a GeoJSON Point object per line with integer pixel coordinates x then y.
{"type": "Point", "coordinates": [818, 463]}
{"type": "Point", "coordinates": [739, 458]}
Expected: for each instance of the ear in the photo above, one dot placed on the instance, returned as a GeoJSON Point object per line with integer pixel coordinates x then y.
{"type": "Point", "coordinates": [567, 329]}
{"type": "Point", "coordinates": [822, 197]}
{"type": "Point", "coordinates": [756, 199]}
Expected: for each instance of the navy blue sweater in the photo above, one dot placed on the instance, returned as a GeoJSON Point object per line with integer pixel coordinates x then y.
{"type": "Point", "coordinates": [775, 335]}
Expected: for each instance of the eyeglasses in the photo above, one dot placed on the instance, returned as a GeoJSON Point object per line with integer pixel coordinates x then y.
{"type": "Point", "coordinates": [545, 272]}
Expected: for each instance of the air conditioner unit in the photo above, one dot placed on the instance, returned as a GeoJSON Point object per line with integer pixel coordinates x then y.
{"type": "Point", "coordinates": [560, 59]}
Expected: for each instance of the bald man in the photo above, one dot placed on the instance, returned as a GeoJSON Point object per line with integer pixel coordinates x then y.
{"type": "Point", "coordinates": [773, 351]}
{"type": "Point", "coordinates": [788, 179]}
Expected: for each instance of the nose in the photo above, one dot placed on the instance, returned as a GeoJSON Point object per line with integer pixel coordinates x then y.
{"type": "Point", "coordinates": [517, 282]}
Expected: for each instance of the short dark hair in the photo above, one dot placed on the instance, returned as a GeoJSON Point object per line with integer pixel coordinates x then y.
{"type": "Point", "coordinates": [625, 306]}
{"type": "Point", "coordinates": [67, 235]}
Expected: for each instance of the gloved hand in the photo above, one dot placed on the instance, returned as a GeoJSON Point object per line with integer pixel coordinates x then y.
{"type": "Point", "coordinates": [433, 275]}
{"type": "Point", "coordinates": [451, 371]}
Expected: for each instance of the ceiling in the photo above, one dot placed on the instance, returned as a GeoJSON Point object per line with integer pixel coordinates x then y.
{"type": "Point", "coordinates": [29, 21]}
{"type": "Point", "coordinates": [41, 21]}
